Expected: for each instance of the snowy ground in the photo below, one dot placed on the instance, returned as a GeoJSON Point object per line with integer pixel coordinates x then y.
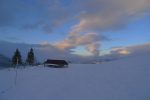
{"type": "Point", "coordinates": [125, 79]}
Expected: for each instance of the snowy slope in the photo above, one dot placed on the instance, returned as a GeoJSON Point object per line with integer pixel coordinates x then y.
{"type": "Point", "coordinates": [124, 79]}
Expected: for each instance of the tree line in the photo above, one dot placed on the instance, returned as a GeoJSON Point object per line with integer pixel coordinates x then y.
{"type": "Point", "coordinates": [17, 58]}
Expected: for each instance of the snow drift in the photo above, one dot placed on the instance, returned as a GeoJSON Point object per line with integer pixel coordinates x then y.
{"type": "Point", "coordinates": [124, 79]}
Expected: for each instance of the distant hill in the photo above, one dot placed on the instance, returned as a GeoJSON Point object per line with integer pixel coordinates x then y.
{"type": "Point", "coordinates": [4, 61]}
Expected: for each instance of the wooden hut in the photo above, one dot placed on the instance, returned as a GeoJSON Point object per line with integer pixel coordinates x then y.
{"type": "Point", "coordinates": [56, 63]}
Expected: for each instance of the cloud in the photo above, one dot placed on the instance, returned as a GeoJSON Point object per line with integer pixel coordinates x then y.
{"type": "Point", "coordinates": [121, 51]}
{"type": "Point", "coordinates": [104, 15]}
{"type": "Point", "coordinates": [44, 15]}
{"type": "Point", "coordinates": [139, 49]}
{"type": "Point", "coordinates": [98, 16]}
{"type": "Point", "coordinates": [44, 43]}
{"type": "Point", "coordinates": [93, 15]}
{"type": "Point", "coordinates": [6, 13]}
{"type": "Point", "coordinates": [132, 50]}
{"type": "Point", "coordinates": [16, 12]}
{"type": "Point", "coordinates": [53, 15]}
{"type": "Point", "coordinates": [93, 48]}
{"type": "Point", "coordinates": [91, 42]}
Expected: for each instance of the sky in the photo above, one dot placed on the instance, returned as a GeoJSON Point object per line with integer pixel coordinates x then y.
{"type": "Point", "coordinates": [78, 27]}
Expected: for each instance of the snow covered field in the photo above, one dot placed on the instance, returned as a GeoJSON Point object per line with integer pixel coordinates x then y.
{"type": "Point", "coordinates": [124, 79]}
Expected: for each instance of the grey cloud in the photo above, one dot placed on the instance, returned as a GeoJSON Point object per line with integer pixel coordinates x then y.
{"type": "Point", "coordinates": [6, 13]}
{"type": "Point", "coordinates": [55, 15]}
{"type": "Point", "coordinates": [45, 15]}
{"type": "Point", "coordinates": [42, 52]}
{"type": "Point", "coordinates": [132, 50]}
{"type": "Point", "coordinates": [14, 12]}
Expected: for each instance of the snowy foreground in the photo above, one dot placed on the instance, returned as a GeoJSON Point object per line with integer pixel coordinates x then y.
{"type": "Point", "coordinates": [124, 79]}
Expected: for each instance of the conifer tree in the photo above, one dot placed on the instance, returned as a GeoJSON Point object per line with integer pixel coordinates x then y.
{"type": "Point", "coordinates": [30, 57]}
{"type": "Point", "coordinates": [16, 59]}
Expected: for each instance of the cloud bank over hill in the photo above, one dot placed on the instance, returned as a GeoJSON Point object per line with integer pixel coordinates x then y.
{"type": "Point", "coordinates": [43, 52]}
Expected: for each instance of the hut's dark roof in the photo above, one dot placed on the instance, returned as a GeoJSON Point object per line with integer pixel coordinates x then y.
{"type": "Point", "coordinates": [49, 61]}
